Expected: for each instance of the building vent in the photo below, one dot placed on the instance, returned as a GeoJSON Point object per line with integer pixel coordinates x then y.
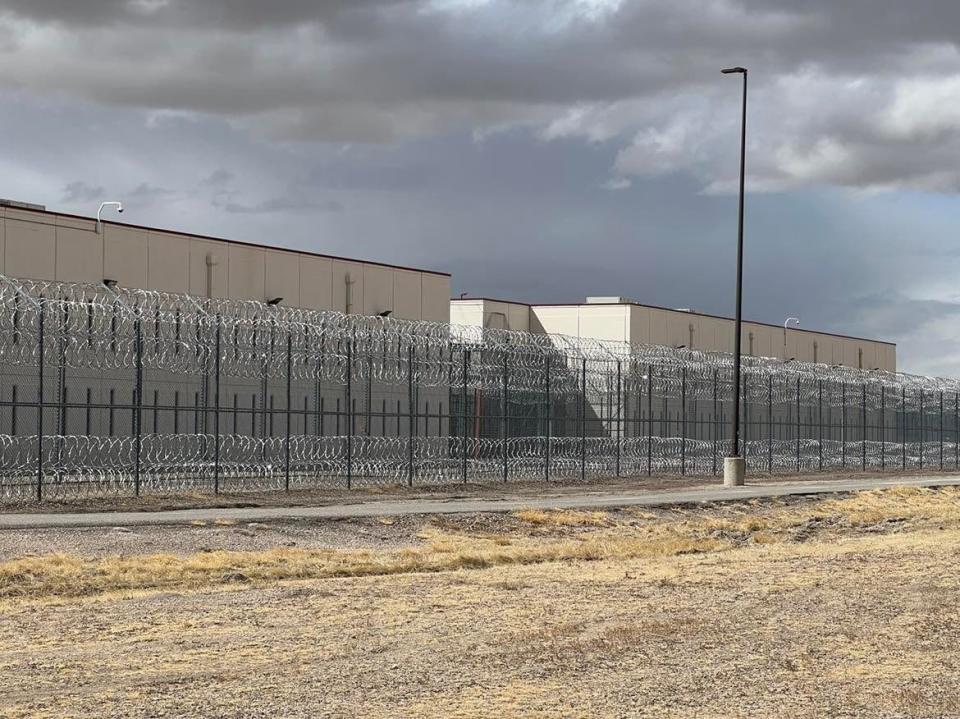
{"type": "Point", "coordinates": [21, 205]}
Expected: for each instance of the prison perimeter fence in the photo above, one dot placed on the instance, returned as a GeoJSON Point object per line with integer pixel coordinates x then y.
{"type": "Point", "coordinates": [109, 390]}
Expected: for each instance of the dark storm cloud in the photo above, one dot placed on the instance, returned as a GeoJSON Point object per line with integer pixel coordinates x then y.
{"type": "Point", "coordinates": [543, 150]}
{"type": "Point", "coordinates": [834, 83]}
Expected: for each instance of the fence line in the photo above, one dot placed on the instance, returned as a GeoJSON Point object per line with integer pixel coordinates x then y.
{"type": "Point", "coordinates": [129, 391]}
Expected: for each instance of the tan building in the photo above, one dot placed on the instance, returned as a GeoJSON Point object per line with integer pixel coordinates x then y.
{"type": "Point", "coordinates": [624, 320]}
{"type": "Point", "coordinates": [42, 245]}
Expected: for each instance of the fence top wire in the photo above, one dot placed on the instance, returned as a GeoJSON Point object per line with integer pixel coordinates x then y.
{"type": "Point", "coordinates": [96, 325]}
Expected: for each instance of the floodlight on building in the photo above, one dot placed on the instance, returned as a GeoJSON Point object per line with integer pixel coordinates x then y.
{"type": "Point", "coordinates": [108, 282]}
{"type": "Point", "coordinates": [786, 324]}
{"type": "Point", "coordinates": [385, 313]}
{"type": "Point", "coordinates": [275, 301]}
{"type": "Point", "coordinates": [118, 205]}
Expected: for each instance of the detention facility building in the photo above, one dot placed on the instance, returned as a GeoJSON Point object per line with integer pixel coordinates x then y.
{"type": "Point", "coordinates": [37, 244]}
{"type": "Point", "coordinates": [138, 360]}
{"type": "Point", "coordinates": [620, 319]}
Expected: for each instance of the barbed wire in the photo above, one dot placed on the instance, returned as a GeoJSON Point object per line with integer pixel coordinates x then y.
{"type": "Point", "coordinates": [555, 381]}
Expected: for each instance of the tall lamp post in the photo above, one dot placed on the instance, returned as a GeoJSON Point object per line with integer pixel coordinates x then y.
{"type": "Point", "coordinates": [734, 466]}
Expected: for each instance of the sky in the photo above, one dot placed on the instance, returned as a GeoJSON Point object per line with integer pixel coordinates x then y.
{"type": "Point", "coordinates": [538, 150]}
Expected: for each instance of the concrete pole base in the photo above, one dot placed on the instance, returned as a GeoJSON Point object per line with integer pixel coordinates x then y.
{"type": "Point", "coordinates": [734, 471]}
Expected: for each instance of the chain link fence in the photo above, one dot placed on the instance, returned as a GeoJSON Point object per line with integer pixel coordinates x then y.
{"type": "Point", "coordinates": [109, 390]}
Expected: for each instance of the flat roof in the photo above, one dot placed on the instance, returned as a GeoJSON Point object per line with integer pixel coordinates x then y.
{"type": "Point", "coordinates": [670, 309]}
{"type": "Point", "coordinates": [41, 211]}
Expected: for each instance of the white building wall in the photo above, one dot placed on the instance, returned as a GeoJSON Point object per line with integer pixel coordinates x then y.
{"type": "Point", "coordinates": [640, 324]}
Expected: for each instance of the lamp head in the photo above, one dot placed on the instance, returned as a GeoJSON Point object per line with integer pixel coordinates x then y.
{"type": "Point", "coordinates": [731, 70]}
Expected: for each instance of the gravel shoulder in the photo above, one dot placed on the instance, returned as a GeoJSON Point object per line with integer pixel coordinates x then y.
{"type": "Point", "coordinates": [321, 497]}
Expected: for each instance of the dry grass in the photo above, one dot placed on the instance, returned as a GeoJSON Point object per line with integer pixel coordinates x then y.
{"type": "Point", "coordinates": [803, 609]}
{"type": "Point", "coordinates": [563, 518]}
{"type": "Point", "coordinates": [63, 575]}
{"type": "Point", "coordinates": [604, 538]}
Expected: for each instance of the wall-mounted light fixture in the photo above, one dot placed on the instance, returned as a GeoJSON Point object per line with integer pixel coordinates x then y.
{"type": "Point", "coordinates": [118, 205]}
{"type": "Point", "coordinates": [275, 301]}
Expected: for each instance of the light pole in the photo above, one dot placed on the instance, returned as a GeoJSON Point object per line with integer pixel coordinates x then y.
{"type": "Point", "coordinates": [734, 467]}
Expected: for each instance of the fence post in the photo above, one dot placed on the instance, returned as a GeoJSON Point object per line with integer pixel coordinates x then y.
{"type": "Point", "coordinates": [903, 426]}
{"type": "Point", "coordinates": [583, 419]}
{"type": "Point", "coordinates": [843, 425]}
{"type": "Point", "coordinates": [798, 424]}
{"type": "Point", "coordinates": [216, 409]}
{"type": "Point", "coordinates": [770, 424]}
{"type": "Point", "coordinates": [506, 416]}
{"type": "Point", "coordinates": [956, 430]}
{"type": "Point", "coordinates": [863, 422]}
{"type": "Point", "coordinates": [410, 415]}
{"type": "Point", "coordinates": [350, 413]}
{"type": "Point", "coordinates": [619, 415]}
{"type": "Point", "coordinates": [286, 439]}
{"type": "Point", "coordinates": [138, 403]}
{"type": "Point", "coordinates": [649, 420]}
{"type": "Point", "coordinates": [546, 450]}
{"type": "Point", "coordinates": [746, 419]}
{"type": "Point", "coordinates": [683, 420]}
{"type": "Point", "coordinates": [715, 425]}
{"type": "Point", "coordinates": [463, 418]}
{"type": "Point", "coordinates": [921, 429]}
{"type": "Point", "coordinates": [61, 386]}
{"type": "Point", "coordinates": [41, 310]}
{"type": "Point", "coordinates": [820, 425]}
{"type": "Point", "coordinates": [941, 431]}
{"type": "Point", "coordinates": [883, 426]}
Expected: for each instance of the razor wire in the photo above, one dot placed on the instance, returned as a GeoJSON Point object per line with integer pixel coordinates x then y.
{"type": "Point", "coordinates": [506, 404]}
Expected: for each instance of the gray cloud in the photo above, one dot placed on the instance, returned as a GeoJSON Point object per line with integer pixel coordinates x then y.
{"type": "Point", "coordinates": [834, 91]}
{"type": "Point", "coordinates": [218, 178]}
{"type": "Point", "coordinates": [80, 191]}
{"type": "Point", "coordinates": [284, 204]}
{"type": "Point", "coordinates": [145, 192]}
{"type": "Point", "coordinates": [541, 150]}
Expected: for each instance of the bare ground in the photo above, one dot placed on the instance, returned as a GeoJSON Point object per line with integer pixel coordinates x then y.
{"type": "Point", "coordinates": [332, 495]}
{"type": "Point", "coordinates": [841, 607]}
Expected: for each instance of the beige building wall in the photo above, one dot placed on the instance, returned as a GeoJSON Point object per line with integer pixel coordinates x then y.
{"type": "Point", "coordinates": [641, 324]}
{"type": "Point", "coordinates": [490, 314]}
{"type": "Point", "coordinates": [42, 245]}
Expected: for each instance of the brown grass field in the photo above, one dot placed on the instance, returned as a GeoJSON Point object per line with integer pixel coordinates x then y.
{"type": "Point", "coordinates": [844, 607]}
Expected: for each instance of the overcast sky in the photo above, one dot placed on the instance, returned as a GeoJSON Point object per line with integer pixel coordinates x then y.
{"type": "Point", "coordinates": [539, 150]}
